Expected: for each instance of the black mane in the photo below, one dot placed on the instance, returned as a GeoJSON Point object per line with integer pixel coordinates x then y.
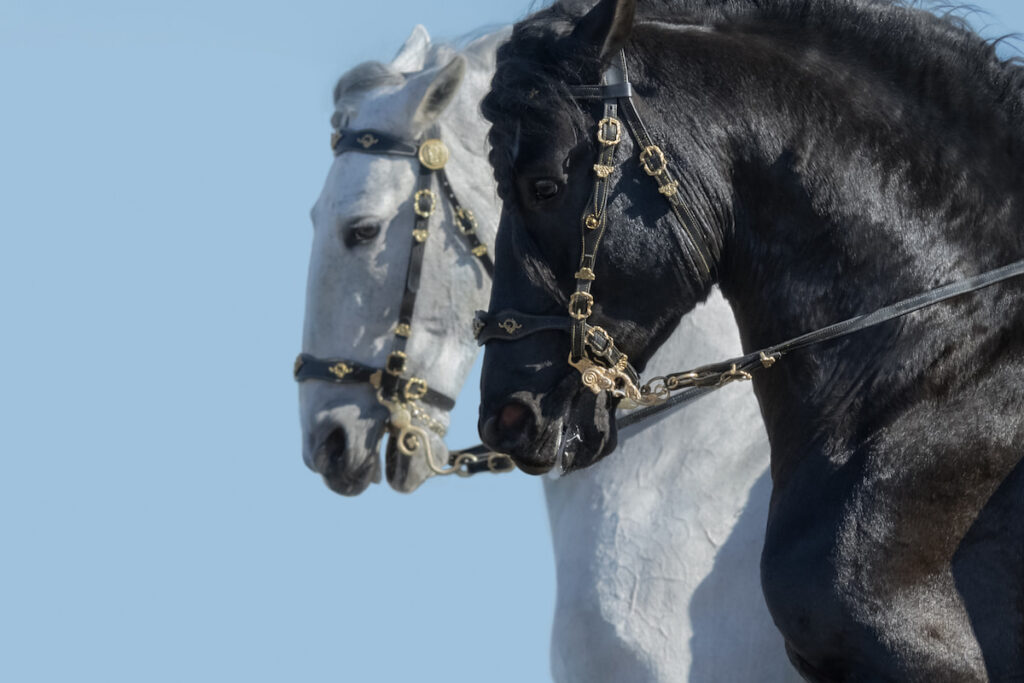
{"type": "Point", "coordinates": [954, 63]}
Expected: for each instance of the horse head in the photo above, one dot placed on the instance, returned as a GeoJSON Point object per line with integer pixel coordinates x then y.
{"type": "Point", "coordinates": [379, 204]}
{"type": "Point", "coordinates": [546, 158]}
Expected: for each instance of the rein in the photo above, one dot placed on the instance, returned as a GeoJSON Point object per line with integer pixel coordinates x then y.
{"type": "Point", "coordinates": [592, 351]}
{"type": "Point", "coordinates": [395, 389]}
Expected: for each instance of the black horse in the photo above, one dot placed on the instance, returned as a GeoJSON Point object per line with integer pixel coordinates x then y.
{"type": "Point", "coordinates": [831, 157]}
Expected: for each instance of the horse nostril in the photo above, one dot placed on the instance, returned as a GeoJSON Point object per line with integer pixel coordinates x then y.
{"type": "Point", "coordinates": [331, 451]}
{"type": "Point", "coordinates": [512, 416]}
{"type": "Point", "coordinates": [508, 431]}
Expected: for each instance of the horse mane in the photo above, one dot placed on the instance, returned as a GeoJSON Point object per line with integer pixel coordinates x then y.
{"type": "Point", "coordinates": [953, 61]}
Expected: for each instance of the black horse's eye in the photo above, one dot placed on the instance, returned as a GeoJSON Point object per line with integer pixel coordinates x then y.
{"type": "Point", "coordinates": [360, 234]}
{"type": "Point", "coordinates": [545, 189]}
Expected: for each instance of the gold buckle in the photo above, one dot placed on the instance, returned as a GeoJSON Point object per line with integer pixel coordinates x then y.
{"type": "Point", "coordinates": [415, 389]}
{"type": "Point", "coordinates": [574, 300]}
{"type": "Point", "coordinates": [612, 123]}
{"type": "Point", "coordinates": [416, 198]}
{"type": "Point", "coordinates": [466, 221]}
{"type": "Point", "coordinates": [396, 363]}
{"type": "Point", "coordinates": [653, 152]}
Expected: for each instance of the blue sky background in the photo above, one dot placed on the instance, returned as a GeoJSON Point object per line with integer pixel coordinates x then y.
{"type": "Point", "coordinates": [157, 165]}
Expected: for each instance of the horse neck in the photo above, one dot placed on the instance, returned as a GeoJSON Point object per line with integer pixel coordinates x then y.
{"type": "Point", "coordinates": [848, 191]}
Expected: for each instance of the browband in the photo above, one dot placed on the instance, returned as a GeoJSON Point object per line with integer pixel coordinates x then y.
{"type": "Point", "coordinates": [370, 141]}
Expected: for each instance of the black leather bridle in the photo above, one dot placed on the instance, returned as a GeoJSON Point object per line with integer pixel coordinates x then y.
{"type": "Point", "coordinates": [592, 351]}
{"type": "Point", "coordinates": [395, 388]}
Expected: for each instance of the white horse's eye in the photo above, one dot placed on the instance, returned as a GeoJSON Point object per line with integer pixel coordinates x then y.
{"type": "Point", "coordinates": [361, 234]}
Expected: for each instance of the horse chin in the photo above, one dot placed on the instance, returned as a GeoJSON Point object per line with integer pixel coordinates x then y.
{"type": "Point", "coordinates": [345, 452]}
{"type": "Point", "coordinates": [344, 474]}
{"type": "Point", "coordinates": [585, 434]}
{"type": "Point", "coordinates": [591, 433]}
{"type": "Point", "coordinates": [405, 473]}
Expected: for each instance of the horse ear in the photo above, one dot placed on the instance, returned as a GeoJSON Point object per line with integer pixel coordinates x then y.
{"type": "Point", "coordinates": [414, 52]}
{"type": "Point", "coordinates": [440, 92]}
{"type": "Point", "coordinates": [607, 26]}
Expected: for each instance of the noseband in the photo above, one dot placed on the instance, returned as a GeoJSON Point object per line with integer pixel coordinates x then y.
{"type": "Point", "coordinates": [397, 390]}
{"type": "Point", "coordinates": [592, 351]}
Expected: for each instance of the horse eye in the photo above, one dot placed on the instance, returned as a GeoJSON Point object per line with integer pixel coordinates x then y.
{"type": "Point", "coordinates": [545, 189]}
{"type": "Point", "coordinates": [360, 234]}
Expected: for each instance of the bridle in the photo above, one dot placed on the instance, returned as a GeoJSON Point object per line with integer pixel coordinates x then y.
{"type": "Point", "coordinates": [592, 351]}
{"type": "Point", "coordinates": [394, 387]}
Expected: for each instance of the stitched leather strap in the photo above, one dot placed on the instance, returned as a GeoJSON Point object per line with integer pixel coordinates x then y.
{"type": "Point", "coordinates": [465, 223]}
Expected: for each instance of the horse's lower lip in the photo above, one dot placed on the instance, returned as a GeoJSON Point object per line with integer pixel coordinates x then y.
{"type": "Point", "coordinates": [565, 439]}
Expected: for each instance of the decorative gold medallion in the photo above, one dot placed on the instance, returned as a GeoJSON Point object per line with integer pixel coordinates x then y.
{"type": "Point", "coordinates": [419, 235]}
{"type": "Point", "coordinates": [403, 330]}
{"type": "Point", "coordinates": [585, 274]}
{"type": "Point", "coordinates": [591, 222]}
{"type": "Point", "coordinates": [367, 140]}
{"type": "Point", "coordinates": [433, 154]}
{"type": "Point", "coordinates": [669, 189]}
{"type": "Point", "coordinates": [339, 370]}
{"type": "Point", "coordinates": [510, 325]}
{"type": "Point", "coordinates": [479, 251]}
{"type": "Point", "coordinates": [603, 171]}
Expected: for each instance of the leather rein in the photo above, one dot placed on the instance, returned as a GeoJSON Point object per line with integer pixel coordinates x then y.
{"type": "Point", "coordinates": [394, 387]}
{"type": "Point", "coordinates": [592, 351]}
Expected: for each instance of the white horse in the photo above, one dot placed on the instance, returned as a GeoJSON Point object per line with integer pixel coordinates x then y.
{"type": "Point", "coordinates": [657, 547]}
